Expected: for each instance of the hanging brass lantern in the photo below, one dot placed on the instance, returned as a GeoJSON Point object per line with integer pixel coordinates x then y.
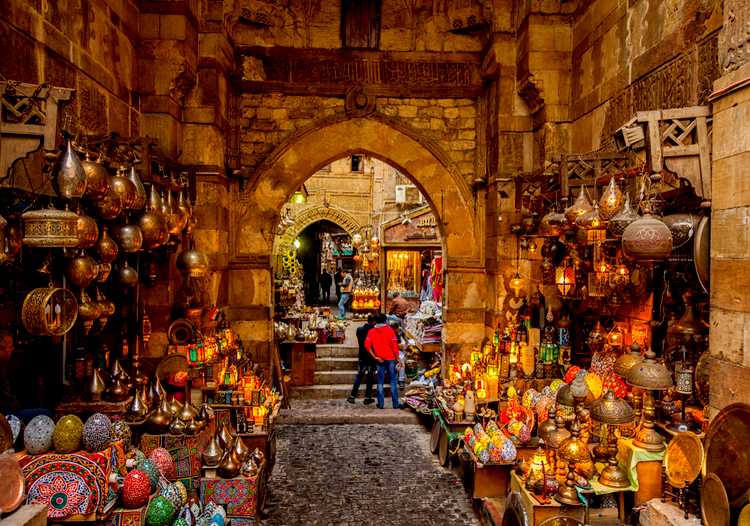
{"type": "Point", "coordinates": [127, 276]}
{"type": "Point", "coordinates": [611, 200]}
{"type": "Point", "coordinates": [124, 187]}
{"type": "Point", "coordinates": [50, 228]}
{"type": "Point", "coordinates": [109, 206]}
{"type": "Point", "coordinates": [70, 179]}
{"type": "Point", "coordinates": [88, 231]}
{"type": "Point", "coordinates": [140, 191]}
{"type": "Point", "coordinates": [579, 207]}
{"type": "Point", "coordinates": [106, 247]}
{"type": "Point", "coordinates": [647, 239]}
{"type": "Point", "coordinates": [97, 179]}
{"type": "Point", "coordinates": [625, 362]}
{"type": "Point", "coordinates": [129, 237]}
{"type": "Point", "coordinates": [49, 311]}
{"type": "Point", "coordinates": [175, 219]}
{"type": "Point", "coordinates": [592, 225]}
{"type": "Point", "coordinates": [88, 311]}
{"type": "Point", "coordinates": [81, 271]}
{"type": "Point", "coordinates": [620, 221]}
{"type": "Point", "coordinates": [193, 263]}
{"type": "Point", "coordinates": [153, 223]}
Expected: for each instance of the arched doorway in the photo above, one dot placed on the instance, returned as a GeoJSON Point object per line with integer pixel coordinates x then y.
{"type": "Point", "coordinates": [306, 218]}
{"type": "Point", "coordinates": [459, 211]}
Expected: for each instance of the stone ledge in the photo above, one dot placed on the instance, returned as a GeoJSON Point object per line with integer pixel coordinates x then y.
{"type": "Point", "coordinates": [658, 513]}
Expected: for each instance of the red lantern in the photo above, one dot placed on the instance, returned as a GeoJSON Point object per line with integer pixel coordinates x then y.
{"type": "Point", "coordinates": [163, 462]}
{"type": "Point", "coordinates": [135, 489]}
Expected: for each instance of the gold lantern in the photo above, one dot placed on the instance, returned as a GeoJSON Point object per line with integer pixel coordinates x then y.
{"type": "Point", "coordinates": [610, 201]}
{"type": "Point", "coordinates": [565, 277]}
{"type": "Point", "coordinates": [612, 412]}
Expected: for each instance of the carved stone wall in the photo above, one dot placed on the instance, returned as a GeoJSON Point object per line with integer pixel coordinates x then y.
{"type": "Point", "coordinates": [269, 119]}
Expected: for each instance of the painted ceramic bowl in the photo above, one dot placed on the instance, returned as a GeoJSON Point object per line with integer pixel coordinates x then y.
{"type": "Point", "coordinates": [121, 431]}
{"type": "Point", "coordinates": [136, 488]}
{"type": "Point", "coordinates": [164, 463]}
{"type": "Point", "coordinates": [68, 434]}
{"type": "Point", "coordinates": [97, 432]}
{"type": "Point", "coordinates": [37, 437]}
{"type": "Point", "coordinates": [160, 512]}
{"type": "Point", "coordinates": [150, 469]}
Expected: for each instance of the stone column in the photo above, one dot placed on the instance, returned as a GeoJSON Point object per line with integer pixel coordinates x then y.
{"type": "Point", "coordinates": [730, 215]}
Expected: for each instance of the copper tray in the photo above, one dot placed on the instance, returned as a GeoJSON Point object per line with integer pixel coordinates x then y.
{"type": "Point", "coordinates": [744, 518]}
{"type": "Point", "coordinates": [714, 502]}
{"type": "Point", "coordinates": [702, 251]}
{"type": "Point", "coordinates": [702, 372]}
{"type": "Point", "coordinates": [11, 484]}
{"type": "Point", "coordinates": [6, 435]}
{"type": "Point", "coordinates": [683, 459]}
{"type": "Point", "coordinates": [727, 451]}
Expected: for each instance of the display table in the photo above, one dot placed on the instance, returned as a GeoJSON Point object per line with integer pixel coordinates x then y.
{"type": "Point", "coordinates": [185, 451]}
{"type": "Point", "coordinates": [485, 480]}
{"type": "Point", "coordinates": [536, 511]}
{"type": "Point", "coordinates": [242, 498]}
{"type": "Point", "coordinates": [27, 515]}
{"type": "Point", "coordinates": [302, 358]}
{"type": "Point", "coordinates": [84, 408]}
{"type": "Point", "coordinates": [129, 517]}
{"type": "Point", "coordinates": [644, 470]}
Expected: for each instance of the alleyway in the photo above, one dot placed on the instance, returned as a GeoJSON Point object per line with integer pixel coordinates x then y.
{"type": "Point", "coordinates": [360, 475]}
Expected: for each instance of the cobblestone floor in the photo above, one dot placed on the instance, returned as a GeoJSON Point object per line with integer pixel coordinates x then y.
{"type": "Point", "coordinates": [341, 412]}
{"type": "Point", "coordinates": [362, 475]}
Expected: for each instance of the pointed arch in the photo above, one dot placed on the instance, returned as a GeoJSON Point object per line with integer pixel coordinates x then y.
{"type": "Point", "coordinates": [312, 215]}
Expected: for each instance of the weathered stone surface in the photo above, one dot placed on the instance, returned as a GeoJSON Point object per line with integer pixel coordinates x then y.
{"type": "Point", "coordinates": [385, 473]}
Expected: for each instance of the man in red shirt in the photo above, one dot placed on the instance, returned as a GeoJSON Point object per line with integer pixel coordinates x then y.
{"type": "Point", "coordinates": [382, 343]}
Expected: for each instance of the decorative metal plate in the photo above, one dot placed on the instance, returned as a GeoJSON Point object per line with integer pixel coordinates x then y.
{"type": "Point", "coordinates": [683, 459]}
{"type": "Point", "coordinates": [744, 518]}
{"type": "Point", "coordinates": [180, 332]}
{"type": "Point", "coordinates": [170, 365]}
{"type": "Point", "coordinates": [702, 251]}
{"type": "Point", "coordinates": [727, 451]}
{"type": "Point", "coordinates": [714, 502]}
{"type": "Point", "coordinates": [11, 484]}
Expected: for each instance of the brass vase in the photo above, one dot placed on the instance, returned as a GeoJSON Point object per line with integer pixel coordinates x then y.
{"type": "Point", "coordinates": [240, 449]}
{"type": "Point", "coordinates": [177, 427]}
{"type": "Point", "coordinates": [225, 436]}
{"type": "Point", "coordinates": [70, 180]}
{"type": "Point", "coordinates": [81, 271]}
{"type": "Point", "coordinates": [138, 408]}
{"type": "Point", "coordinates": [97, 179]}
{"type": "Point", "coordinates": [106, 248]}
{"type": "Point", "coordinates": [158, 390]}
{"type": "Point", "coordinates": [213, 452]}
{"type": "Point", "coordinates": [175, 407]}
{"type": "Point", "coordinates": [188, 412]}
{"type": "Point", "coordinates": [117, 390]}
{"type": "Point", "coordinates": [129, 237]}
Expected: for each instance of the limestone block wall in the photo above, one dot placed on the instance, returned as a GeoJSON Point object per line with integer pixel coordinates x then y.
{"type": "Point", "coordinates": [95, 54]}
{"type": "Point", "coordinates": [269, 119]}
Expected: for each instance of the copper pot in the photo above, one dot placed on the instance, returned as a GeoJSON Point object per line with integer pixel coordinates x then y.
{"type": "Point", "coordinates": [127, 275]}
{"type": "Point", "coordinates": [129, 237]}
{"type": "Point", "coordinates": [175, 407]}
{"type": "Point", "coordinates": [225, 436]}
{"type": "Point", "coordinates": [125, 188]}
{"type": "Point", "coordinates": [106, 247]}
{"type": "Point", "coordinates": [97, 179]}
{"type": "Point", "coordinates": [188, 412]}
{"type": "Point", "coordinates": [81, 271]}
{"type": "Point", "coordinates": [240, 449]}
{"type": "Point", "coordinates": [88, 231]}
{"type": "Point", "coordinates": [109, 206]}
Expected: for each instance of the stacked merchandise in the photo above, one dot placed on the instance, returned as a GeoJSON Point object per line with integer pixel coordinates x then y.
{"type": "Point", "coordinates": [426, 325]}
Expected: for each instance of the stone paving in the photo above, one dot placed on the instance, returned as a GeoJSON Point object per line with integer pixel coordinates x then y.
{"type": "Point", "coordinates": [361, 475]}
{"type": "Point", "coordinates": [342, 412]}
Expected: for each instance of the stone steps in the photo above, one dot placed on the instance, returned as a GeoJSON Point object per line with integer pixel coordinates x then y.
{"type": "Point", "coordinates": [332, 391]}
{"type": "Point", "coordinates": [336, 351]}
{"type": "Point", "coordinates": [336, 364]}
{"type": "Point", "coordinates": [334, 377]}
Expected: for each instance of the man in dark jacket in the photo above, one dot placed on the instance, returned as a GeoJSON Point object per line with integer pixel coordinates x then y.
{"type": "Point", "coordinates": [366, 364]}
{"type": "Point", "coordinates": [325, 285]}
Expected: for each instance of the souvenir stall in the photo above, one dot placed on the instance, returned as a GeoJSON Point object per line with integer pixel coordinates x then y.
{"type": "Point", "coordinates": [110, 431]}
{"type": "Point", "coordinates": [412, 262]}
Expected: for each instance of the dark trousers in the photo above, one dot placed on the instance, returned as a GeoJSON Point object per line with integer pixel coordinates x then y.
{"type": "Point", "coordinates": [326, 295]}
{"type": "Point", "coordinates": [365, 368]}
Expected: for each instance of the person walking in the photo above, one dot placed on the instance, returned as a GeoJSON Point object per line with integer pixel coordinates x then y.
{"type": "Point", "coordinates": [338, 277]}
{"type": "Point", "coordinates": [347, 284]}
{"type": "Point", "coordinates": [366, 364]}
{"type": "Point", "coordinates": [325, 285]}
{"type": "Point", "coordinates": [381, 343]}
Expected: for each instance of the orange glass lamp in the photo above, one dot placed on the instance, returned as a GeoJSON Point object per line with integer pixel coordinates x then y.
{"type": "Point", "coordinates": [565, 278]}
{"type": "Point", "coordinates": [480, 387]}
{"type": "Point", "coordinates": [465, 371]}
{"type": "Point", "coordinates": [517, 283]}
{"type": "Point", "coordinates": [537, 471]}
{"type": "Point", "coordinates": [493, 381]}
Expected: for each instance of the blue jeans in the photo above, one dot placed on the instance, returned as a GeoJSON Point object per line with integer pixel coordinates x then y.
{"type": "Point", "coordinates": [343, 300]}
{"type": "Point", "coordinates": [390, 365]}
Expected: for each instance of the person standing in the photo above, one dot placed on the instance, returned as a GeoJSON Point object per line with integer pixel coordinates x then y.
{"type": "Point", "coordinates": [382, 344]}
{"type": "Point", "coordinates": [325, 286]}
{"type": "Point", "coordinates": [347, 284]}
{"type": "Point", "coordinates": [366, 364]}
{"type": "Point", "coordinates": [337, 279]}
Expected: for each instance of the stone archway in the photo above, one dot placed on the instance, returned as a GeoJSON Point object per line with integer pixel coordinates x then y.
{"type": "Point", "coordinates": [459, 211]}
{"type": "Point", "coordinates": [312, 215]}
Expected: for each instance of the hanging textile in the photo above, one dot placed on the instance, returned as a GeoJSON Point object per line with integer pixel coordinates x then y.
{"type": "Point", "coordinates": [436, 277]}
